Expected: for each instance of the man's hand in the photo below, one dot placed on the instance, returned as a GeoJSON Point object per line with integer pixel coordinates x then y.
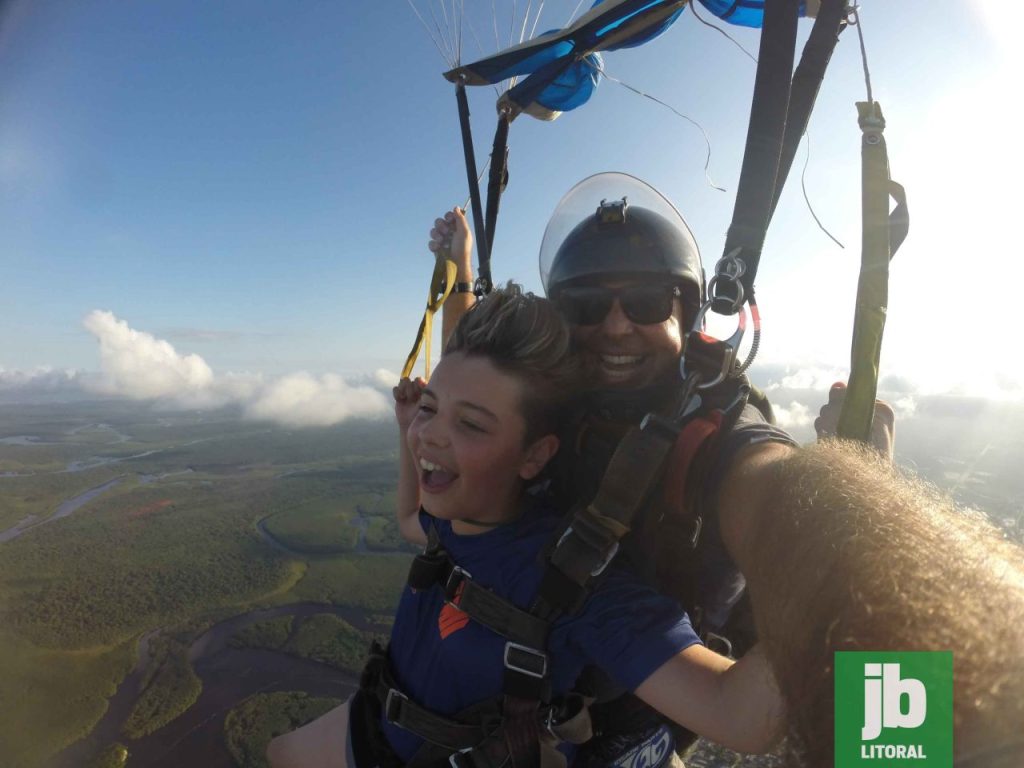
{"type": "Point", "coordinates": [407, 399]}
{"type": "Point", "coordinates": [883, 425]}
{"type": "Point", "coordinates": [451, 237]}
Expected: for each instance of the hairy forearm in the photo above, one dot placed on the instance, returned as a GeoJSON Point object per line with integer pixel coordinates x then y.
{"type": "Point", "coordinates": [842, 553]}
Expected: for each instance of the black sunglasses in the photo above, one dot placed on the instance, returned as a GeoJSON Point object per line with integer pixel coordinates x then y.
{"type": "Point", "coordinates": [642, 303]}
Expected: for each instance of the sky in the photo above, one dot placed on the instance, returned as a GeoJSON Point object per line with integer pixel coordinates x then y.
{"type": "Point", "coordinates": [210, 203]}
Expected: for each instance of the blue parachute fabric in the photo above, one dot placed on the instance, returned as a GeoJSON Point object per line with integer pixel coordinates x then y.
{"type": "Point", "coordinates": [742, 13]}
{"type": "Point", "coordinates": [644, 36]}
{"type": "Point", "coordinates": [562, 86]}
{"type": "Point", "coordinates": [609, 25]}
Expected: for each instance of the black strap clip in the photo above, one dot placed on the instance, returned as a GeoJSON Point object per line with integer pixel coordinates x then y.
{"type": "Point", "coordinates": [392, 702]}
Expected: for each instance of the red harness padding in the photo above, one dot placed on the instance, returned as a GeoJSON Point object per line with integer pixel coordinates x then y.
{"type": "Point", "coordinates": [691, 439]}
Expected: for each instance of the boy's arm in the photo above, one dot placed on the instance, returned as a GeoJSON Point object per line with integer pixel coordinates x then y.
{"type": "Point", "coordinates": [407, 396]}
{"type": "Point", "coordinates": [452, 238]}
{"type": "Point", "coordinates": [735, 704]}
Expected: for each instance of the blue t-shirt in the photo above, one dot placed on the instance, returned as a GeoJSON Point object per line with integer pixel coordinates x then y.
{"type": "Point", "coordinates": [446, 662]}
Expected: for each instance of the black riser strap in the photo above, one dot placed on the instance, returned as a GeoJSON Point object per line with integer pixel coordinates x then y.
{"type": "Point", "coordinates": [806, 82]}
{"type": "Point", "coordinates": [765, 133]}
{"type": "Point", "coordinates": [479, 229]}
{"type": "Point", "coordinates": [496, 181]}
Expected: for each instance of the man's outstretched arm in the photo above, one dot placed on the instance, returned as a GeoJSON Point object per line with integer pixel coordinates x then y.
{"type": "Point", "coordinates": [842, 552]}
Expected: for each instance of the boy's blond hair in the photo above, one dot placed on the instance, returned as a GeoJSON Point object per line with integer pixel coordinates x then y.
{"type": "Point", "coordinates": [524, 336]}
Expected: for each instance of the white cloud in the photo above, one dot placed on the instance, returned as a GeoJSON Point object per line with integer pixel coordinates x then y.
{"type": "Point", "coordinates": [795, 415]}
{"type": "Point", "coordinates": [42, 380]}
{"type": "Point", "coordinates": [811, 376]}
{"type": "Point", "coordinates": [302, 400]}
{"type": "Point", "coordinates": [137, 365]}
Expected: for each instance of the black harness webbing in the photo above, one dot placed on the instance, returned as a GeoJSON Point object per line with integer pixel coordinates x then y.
{"type": "Point", "coordinates": [761, 156]}
{"type": "Point", "coordinates": [436, 568]}
{"type": "Point", "coordinates": [806, 82]}
{"type": "Point", "coordinates": [497, 180]}
{"type": "Point", "coordinates": [482, 244]}
{"type": "Point", "coordinates": [779, 114]}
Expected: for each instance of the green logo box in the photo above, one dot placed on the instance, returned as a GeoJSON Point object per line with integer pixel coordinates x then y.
{"type": "Point", "coordinates": [894, 709]}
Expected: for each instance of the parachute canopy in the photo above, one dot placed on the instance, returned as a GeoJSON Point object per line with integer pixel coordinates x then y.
{"type": "Point", "coordinates": [750, 13]}
{"type": "Point", "coordinates": [563, 66]}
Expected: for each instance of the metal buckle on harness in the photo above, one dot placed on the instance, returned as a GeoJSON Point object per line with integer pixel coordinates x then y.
{"type": "Point", "coordinates": [604, 563]}
{"type": "Point", "coordinates": [390, 701]}
{"type": "Point", "coordinates": [530, 652]}
{"type": "Point", "coordinates": [450, 587]}
{"type": "Point", "coordinates": [455, 758]}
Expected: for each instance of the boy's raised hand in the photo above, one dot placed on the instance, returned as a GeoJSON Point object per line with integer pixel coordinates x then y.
{"type": "Point", "coordinates": [407, 398]}
{"type": "Point", "coordinates": [451, 236]}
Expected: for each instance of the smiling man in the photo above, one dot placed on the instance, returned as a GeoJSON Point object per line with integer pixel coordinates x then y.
{"type": "Point", "coordinates": [807, 527]}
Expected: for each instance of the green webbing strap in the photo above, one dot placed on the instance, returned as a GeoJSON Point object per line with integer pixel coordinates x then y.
{"type": "Point", "coordinates": [882, 234]}
{"type": "Point", "coordinates": [441, 285]}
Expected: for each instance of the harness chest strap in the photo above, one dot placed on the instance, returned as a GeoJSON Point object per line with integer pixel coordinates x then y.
{"type": "Point", "coordinates": [436, 568]}
{"type": "Point", "coordinates": [486, 735]}
{"type": "Point", "coordinates": [645, 454]}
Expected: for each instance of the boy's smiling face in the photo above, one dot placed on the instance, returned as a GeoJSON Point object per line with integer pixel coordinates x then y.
{"type": "Point", "coordinates": [467, 440]}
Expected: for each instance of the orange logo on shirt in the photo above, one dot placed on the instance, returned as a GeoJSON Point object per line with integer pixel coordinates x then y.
{"type": "Point", "coordinates": [451, 619]}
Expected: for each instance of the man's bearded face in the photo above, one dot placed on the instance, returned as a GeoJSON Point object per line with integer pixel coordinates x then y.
{"type": "Point", "coordinates": [623, 354]}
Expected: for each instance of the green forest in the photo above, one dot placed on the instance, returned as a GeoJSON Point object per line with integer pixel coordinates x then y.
{"type": "Point", "coordinates": [176, 544]}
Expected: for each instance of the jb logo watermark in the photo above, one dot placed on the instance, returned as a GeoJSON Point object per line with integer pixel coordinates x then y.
{"type": "Point", "coordinates": [894, 709]}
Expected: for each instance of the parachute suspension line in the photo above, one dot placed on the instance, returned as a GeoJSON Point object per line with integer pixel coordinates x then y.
{"type": "Point", "coordinates": [730, 38]}
{"type": "Point", "coordinates": [574, 12]}
{"type": "Point", "coordinates": [444, 15]}
{"type": "Point", "coordinates": [479, 178]}
{"type": "Point", "coordinates": [480, 47]}
{"type": "Point", "coordinates": [807, 199]}
{"type": "Point", "coordinates": [855, 14]}
{"type": "Point", "coordinates": [462, 16]}
{"type": "Point", "coordinates": [707, 139]}
{"type": "Point", "coordinates": [494, 23]}
{"type": "Point", "coordinates": [526, 18]}
{"type": "Point", "coordinates": [536, 20]}
{"type": "Point", "coordinates": [483, 247]}
{"type": "Point", "coordinates": [449, 29]}
{"type": "Point", "coordinates": [441, 49]}
{"type": "Point", "coordinates": [512, 24]}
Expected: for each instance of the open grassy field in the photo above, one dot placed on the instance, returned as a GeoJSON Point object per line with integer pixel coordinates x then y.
{"type": "Point", "coordinates": [174, 544]}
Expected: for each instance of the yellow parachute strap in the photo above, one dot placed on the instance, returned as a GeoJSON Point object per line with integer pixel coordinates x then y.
{"type": "Point", "coordinates": [441, 285]}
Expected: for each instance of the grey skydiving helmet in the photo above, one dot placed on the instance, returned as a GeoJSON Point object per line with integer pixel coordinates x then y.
{"type": "Point", "coordinates": [613, 225]}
